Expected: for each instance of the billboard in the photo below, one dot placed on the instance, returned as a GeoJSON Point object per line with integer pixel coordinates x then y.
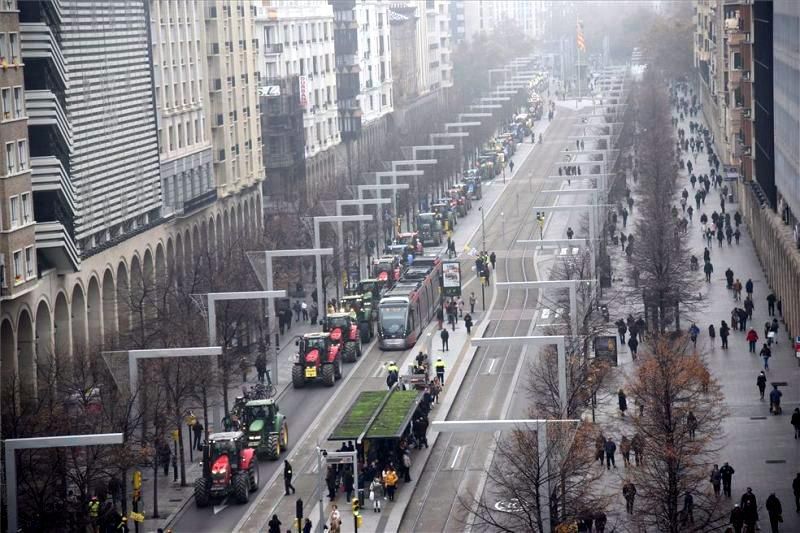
{"type": "Point", "coordinates": [605, 347]}
{"type": "Point", "coordinates": [451, 278]}
{"type": "Point", "coordinates": [303, 93]}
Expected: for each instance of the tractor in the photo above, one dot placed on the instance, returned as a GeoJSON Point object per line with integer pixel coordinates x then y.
{"type": "Point", "coordinates": [317, 359]}
{"type": "Point", "coordinates": [362, 305]}
{"type": "Point", "coordinates": [386, 269]}
{"type": "Point", "coordinates": [344, 331]}
{"type": "Point", "coordinates": [267, 430]}
{"type": "Point", "coordinates": [229, 468]}
{"type": "Point", "coordinates": [430, 229]}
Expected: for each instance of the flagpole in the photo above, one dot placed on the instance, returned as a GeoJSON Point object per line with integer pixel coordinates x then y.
{"type": "Point", "coordinates": [577, 59]}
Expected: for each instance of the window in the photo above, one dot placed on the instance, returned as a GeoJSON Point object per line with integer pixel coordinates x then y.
{"type": "Point", "coordinates": [13, 211]}
{"type": "Point", "coordinates": [3, 47]}
{"type": "Point", "coordinates": [171, 134]}
{"type": "Point", "coordinates": [25, 200]}
{"type": "Point", "coordinates": [180, 135]}
{"type": "Point", "coordinates": [13, 51]}
{"type": "Point", "coordinates": [6, 97]}
{"type": "Point", "coordinates": [197, 134]}
{"type": "Point", "coordinates": [22, 154]}
{"type": "Point", "coordinates": [18, 269]}
{"type": "Point", "coordinates": [10, 166]}
{"type": "Point", "coordinates": [30, 264]}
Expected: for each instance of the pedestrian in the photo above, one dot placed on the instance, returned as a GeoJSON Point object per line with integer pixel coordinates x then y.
{"type": "Point", "coordinates": [796, 422]}
{"type": "Point", "coordinates": [440, 316]}
{"type": "Point", "coordinates": [633, 345]}
{"type": "Point", "coordinates": [287, 478]}
{"type": "Point", "coordinates": [511, 166]}
{"type": "Point", "coordinates": [164, 453]}
{"type": "Point", "coordinates": [468, 323]}
{"type": "Point", "coordinates": [737, 235]}
{"type": "Point", "coordinates": [774, 511]}
{"type": "Point", "coordinates": [691, 424]}
{"type": "Point", "coordinates": [445, 336]}
{"type": "Point", "coordinates": [625, 450]}
{"type": "Point", "coordinates": [796, 492]}
{"type": "Point", "coordinates": [439, 365]}
{"type": "Point", "coordinates": [599, 448]}
{"type": "Point", "coordinates": [765, 354]}
{"type": "Point", "coordinates": [748, 287]}
{"type": "Point", "coordinates": [610, 449]}
{"type": "Point", "coordinates": [198, 428]}
{"type": "Point", "coordinates": [688, 508]}
{"type": "Point", "coordinates": [243, 367]}
{"type": "Point", "coordinates": [275, 524]}
{"type": "Point", "coordinates": [737, 518]}
{"type": "Point", "coordinates": [623, 401]}
{"type": "Point", "coordinates": [694, 331]}
{"type": "Point", "coordinates": [629, 492]}
{"type": "Point", "coordinates": [621, 329]}
{"type": "Point", "coordinates": [775, 400]}
{"type": "Point", "coordinates": [724, 331]}
{"type": "Point", "coordinates": [330, 482]}
{"type": "Point", "coordinates": [761, 383]}
{"type": "Point", "coordinates": [600, 520]}
{"type": "Point", "coordinates": [373, 494]}
{"type": "Point", "coordinates": [727, 472]}
{"type": "Point", "coordinates": [712, 333]}
{"type": "Point", "coordinates": [297, 310]}
{"type": "Point", "coordinates": [348, 482]}
{"type": "Point", "coordinates": [752, 338]}
{"type": "Point", "coordinates": [307, 526]}
{"type": "Point", "coordinates": [771, 298]}
{"type": "Point", "coordinates": [708, 268]}
{"type": "Point", "coordinates": [749, 306]}
{"type": "Point", "coordinates": [335, 520]}
{"type": "Point", "coordinates": [261, 367]}
{"type": "Point", "coordinates": [304, 310]}
{"type": "Point", "coordinates": [390, 481]}
{"type": "Point", "coordinates": [460, 306]}
{"type": "Point", "coordinates": [729, 277]}
{"type": "Point", "coordinates": [750, 509]}
{"type": "Point", "coordinates": [637, 445]}
{"type": "Point", "coordinates": [472, 301]}
{"type": "Point", "coordinates": [716, 480]}
{"type": "Point", "coordinates": [493, 260]}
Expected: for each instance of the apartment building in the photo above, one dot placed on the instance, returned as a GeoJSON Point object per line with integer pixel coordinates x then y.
{"type": "Point", "coordinates": [427, 66]}
{"type": "Point", "coordinates": [300, 120]}
{"type": "Point", "coordinates": [117, 150]}
{"type": "Point", "coordinates": [18, 271]}
{"type": "Point", "coordinates": [233, 87]}
{"type": "Point", "coordinates": [180, 76]}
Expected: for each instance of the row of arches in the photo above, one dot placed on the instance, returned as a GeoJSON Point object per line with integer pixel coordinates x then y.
{"type": "Point", "coordinates": [88, 315]}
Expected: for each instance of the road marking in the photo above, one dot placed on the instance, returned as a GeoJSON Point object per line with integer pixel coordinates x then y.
{"type": "Point", "coordinates": [491, 362]}
{"type": "Point", "coordinates": [221, 507]}
{"type": "Point", "coordinates": [545, 314]}
{"type": "Point", "coordinates": [455, 458]}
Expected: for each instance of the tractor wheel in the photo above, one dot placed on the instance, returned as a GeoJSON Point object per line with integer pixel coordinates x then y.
{"type": "Point", "coordinates": [254, 474]}
{"type": "Point", "coordinates": [241, 487]}
{"type": "Point", "coordinates": [202, 492]}
{"type": "Point", "coordinates": [360, 351]}
{"type": "Point", "coordinates": [337, 369]}
{"type": "Point", "coordinates": [328, 376]}
{"type": "Point", "coordinates": [285, 436]}
{"type": "Point", "coordinates": [298, 379]}
{"type": "Point", "coordinates": [273, 448]}
{"type": "Point", "coordinates": [349, 354]}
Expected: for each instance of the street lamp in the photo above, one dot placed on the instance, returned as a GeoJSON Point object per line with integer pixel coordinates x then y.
{"type": "Point", "coordinates": [317, 222]}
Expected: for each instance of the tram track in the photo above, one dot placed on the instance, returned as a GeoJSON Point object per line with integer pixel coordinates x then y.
{"type": "Point", "coordinates": [438, 507]}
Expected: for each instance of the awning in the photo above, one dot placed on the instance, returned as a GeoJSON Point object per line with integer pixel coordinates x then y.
{"type": "Point", "coordinates": [377, 415]}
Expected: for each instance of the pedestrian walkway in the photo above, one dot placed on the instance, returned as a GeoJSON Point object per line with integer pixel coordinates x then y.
{"type": "Point", "coordinates": [758, 445]}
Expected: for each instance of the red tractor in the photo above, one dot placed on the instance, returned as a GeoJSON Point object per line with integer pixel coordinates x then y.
{"type": "Point", "coordinates": [317, 359]}
{"type": "Point", "coordinates": [344, 333]}
{"type": "Point", "coordinates": [229, 468]}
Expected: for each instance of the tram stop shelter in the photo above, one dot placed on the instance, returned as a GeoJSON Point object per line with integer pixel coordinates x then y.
{"type": "Point", "coordinates": [377, 420]}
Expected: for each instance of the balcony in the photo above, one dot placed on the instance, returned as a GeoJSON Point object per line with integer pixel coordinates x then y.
{"type": "Point", "coordinates": [44, 109]}
{"type": "Point", "coordinates": [38, 42]}
{"type": "Point", "coordinates": [48, 174]}
{"type": "Point", "coordinates": [273, 49]}
{"type": "Point", "coordinates": [198, 202]}
{"type": "Point", "coordinates": [53, 241]}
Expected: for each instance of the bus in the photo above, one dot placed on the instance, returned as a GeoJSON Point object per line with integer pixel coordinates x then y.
{"type": "Point", "coordinates": [404, 311]}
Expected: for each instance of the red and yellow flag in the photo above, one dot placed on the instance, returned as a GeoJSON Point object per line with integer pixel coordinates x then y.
{"type": "Point", "coordinates": [579, 37]}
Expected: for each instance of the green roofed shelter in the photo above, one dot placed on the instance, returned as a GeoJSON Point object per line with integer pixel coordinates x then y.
{"type": "Point", "coordinates": [377, 415]}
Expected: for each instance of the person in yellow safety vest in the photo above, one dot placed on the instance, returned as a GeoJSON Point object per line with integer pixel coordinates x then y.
{"type": "Point", "coordinates": [94, 512]}
{"type": "Point", "coordinates": [440, 369]}
{"type": "Point", "coordinates": [392, 374]}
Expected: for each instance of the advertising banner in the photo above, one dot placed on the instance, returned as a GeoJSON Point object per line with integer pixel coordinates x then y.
{"type": "Point", "coordinates": [451, 276]}
{"type": "Point", "coordinates": [605, 347]}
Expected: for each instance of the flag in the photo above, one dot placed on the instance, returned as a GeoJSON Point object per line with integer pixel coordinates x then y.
{"type": "Point", "coordinates": [579, 37]}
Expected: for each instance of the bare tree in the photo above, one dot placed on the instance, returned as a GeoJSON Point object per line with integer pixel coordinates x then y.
{"type": "Point", "coordinates": [672, 382]}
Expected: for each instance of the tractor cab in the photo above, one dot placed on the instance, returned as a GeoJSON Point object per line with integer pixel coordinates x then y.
{"type": "Point", "coordinates": [317, 359]}
{"type": "Point", "coordinates": [259, 410]}
{"type": "Point", "coordinates": [371, 289]}
{"type": "Point", "coordinates": [267, 430]}
{"type": "Point", "coordinates": [345, 333]}
{"type": "Point", "coordinates": [386, 269]}
{"type": "Point", "coordinates": [445, 214]}
{"type": "Point", "coordinates": [361, 304]}
{"type": "Point", "coordinates": [430, 229]}
{"type": "Point", "coordinates": [229, 467]}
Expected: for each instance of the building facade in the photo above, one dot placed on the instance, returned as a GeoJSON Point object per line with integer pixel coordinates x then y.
{"type": "Point", "coordinates": [297, 54]}
{"type": "Point", "coordinates": [99, 228]}
{"type": "Point", "coordinates": [180, 76]}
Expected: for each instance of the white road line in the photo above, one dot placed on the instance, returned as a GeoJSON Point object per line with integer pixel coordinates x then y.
{"type": "Point", "coordinates": [491, 362]}
{"type": "Point", "coordinates": [455, 458]}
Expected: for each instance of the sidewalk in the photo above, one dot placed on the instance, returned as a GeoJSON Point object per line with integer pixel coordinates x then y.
{"type": "Point", "coordinates": [171, 496]}
{"type": "Point", "coordinates": [758, 445]}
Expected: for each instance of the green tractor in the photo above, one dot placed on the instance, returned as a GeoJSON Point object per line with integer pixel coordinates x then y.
{"type": "Point", "coordinates": [362, 305]}
{"type": "Point", "coordinates": [267, 430]}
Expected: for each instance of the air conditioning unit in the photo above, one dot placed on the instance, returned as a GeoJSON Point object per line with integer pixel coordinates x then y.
{"type": "Point", "coordinates": [747, 113]}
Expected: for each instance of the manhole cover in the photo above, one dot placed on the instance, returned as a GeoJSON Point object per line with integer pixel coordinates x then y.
{"type": "Point", "coordinates": [780, 383]}
{"type": "Point", "coordinates": [758, 418]}
{"type": "Point", "coordinates": [775, 461]}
